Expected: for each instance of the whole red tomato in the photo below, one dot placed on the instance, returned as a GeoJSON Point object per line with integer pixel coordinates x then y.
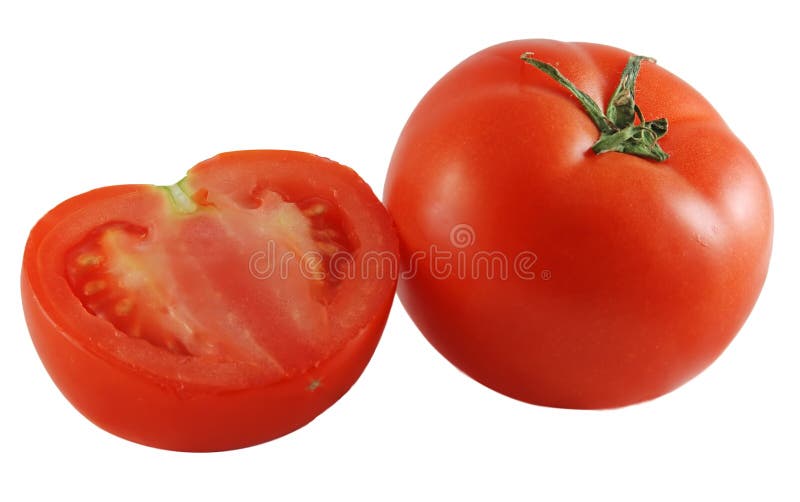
{"type": "Point", "coordinates": [565, 253]}
{"type": "Point", "coordinates": [223, 311]}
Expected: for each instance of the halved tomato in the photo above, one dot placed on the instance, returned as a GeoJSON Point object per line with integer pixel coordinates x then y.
{"type": "Point", "coordinates": [220, 312]}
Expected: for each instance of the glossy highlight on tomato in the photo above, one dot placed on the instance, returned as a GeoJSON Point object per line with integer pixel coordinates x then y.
{"type": "Point", "coordinates": [205, 315]}
{"type": "Point", "coordinates": [648, 227]}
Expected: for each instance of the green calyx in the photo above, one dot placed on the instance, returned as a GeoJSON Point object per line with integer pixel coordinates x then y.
{"type": "Point", "coordinates": [619, 130]}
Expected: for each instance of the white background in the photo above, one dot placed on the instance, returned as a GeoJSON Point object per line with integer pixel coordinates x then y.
{"type": "Point", "coordinates": [97, 93]}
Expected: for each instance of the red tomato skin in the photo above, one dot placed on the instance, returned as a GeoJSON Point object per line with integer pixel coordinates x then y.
{"type": "Point", "coordinates": [645, 271]}
{"type": "Point", "coordinates": [160, 411]}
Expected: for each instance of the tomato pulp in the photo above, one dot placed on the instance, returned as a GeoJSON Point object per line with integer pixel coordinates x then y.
{"type": "Point", "coordinates": [217, 313]}
{"type": "Point", "coordinates": [564, 277]}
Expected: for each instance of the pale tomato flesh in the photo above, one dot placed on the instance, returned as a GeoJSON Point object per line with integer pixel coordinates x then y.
{"type": "Point", "coordinates": [191, 285]}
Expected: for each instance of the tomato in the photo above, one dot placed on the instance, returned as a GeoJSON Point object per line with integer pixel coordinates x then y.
{"type": "Point", "coordinates": [223, 311]}
{"type": "Point", "coordinates": [569, 256]}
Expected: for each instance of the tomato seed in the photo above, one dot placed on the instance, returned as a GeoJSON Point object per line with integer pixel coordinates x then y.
{"type": "Point", "coordinates": [93, 287]}
{"type": "Point", "coordinates": [123, 307]}
{"type": "Point", "coordinates": [314, 210]}
{"type": "Point", "coordinates": [89, 260]}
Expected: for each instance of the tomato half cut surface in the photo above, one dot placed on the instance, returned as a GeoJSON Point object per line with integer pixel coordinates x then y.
{"type": "Point", "coordinates": [220, 312]}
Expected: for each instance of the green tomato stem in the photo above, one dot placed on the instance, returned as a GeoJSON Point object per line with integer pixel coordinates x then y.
{"type": "Point", "coordinates": [619, 131]}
